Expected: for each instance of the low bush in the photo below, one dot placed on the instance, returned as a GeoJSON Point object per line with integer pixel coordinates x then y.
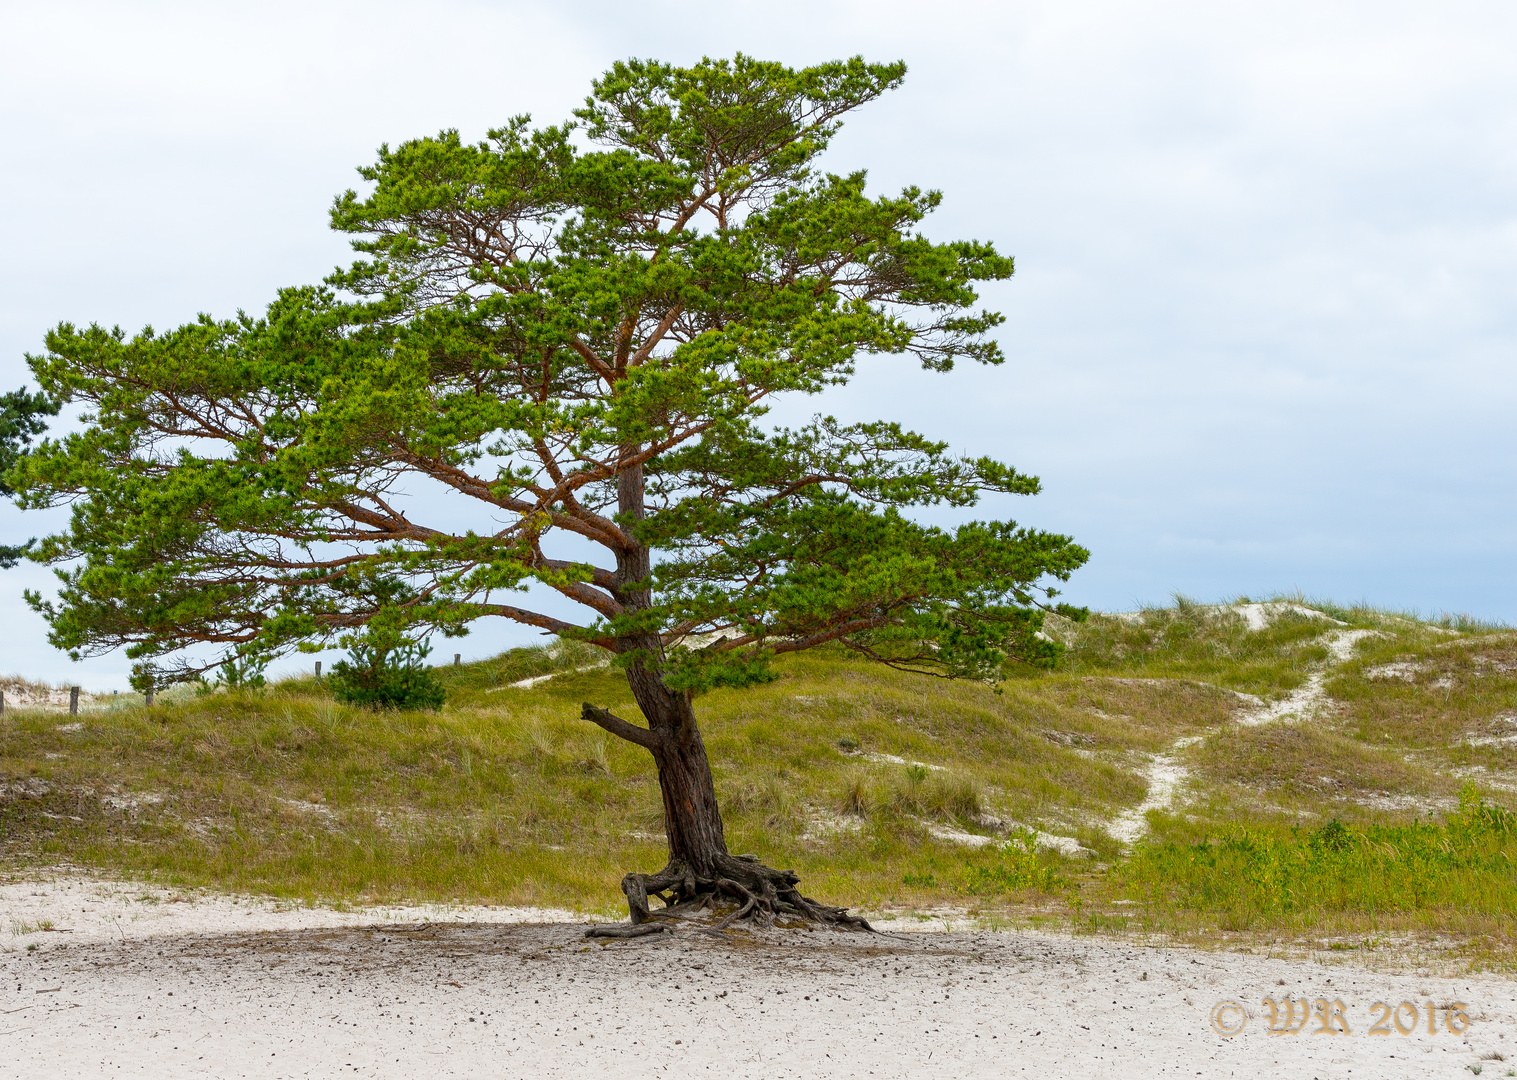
{"type": "Point", "coordinates": [388, 676]}
{"type": "Point", "coordinates": [1016, 867]}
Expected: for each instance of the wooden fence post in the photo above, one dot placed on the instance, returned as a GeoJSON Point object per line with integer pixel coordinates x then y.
{"type": "Point", "coordinates": [318, 669]}
{"type": "Point", "coordinates": [73, 701]}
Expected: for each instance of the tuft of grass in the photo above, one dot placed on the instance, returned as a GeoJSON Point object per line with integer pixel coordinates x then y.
{"type": "Point", "coordinates": [857, 797]}
{"type": "Point", "coordinates": [956, 798]}
{"type": "Point", "coordinates": [936, 795]}
{"type": "Point", "coordinates": [944, 797]}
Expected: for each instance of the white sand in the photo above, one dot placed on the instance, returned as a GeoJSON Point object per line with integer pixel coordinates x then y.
{"type": "Point", "coordinates": [219, 987]}
{"type": "Point", "coordinates": [1164, 775]}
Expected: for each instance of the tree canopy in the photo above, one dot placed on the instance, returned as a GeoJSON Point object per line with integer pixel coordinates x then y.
{"type": "Point", "coordinates": [22, 419]}
{"type": "Point", "coordinates": [540, 321]}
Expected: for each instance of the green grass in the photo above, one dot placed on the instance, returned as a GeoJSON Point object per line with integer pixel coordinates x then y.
{"type": "Point", "coordinates": [1420, 875]}
{"type": "Point", "coordinates": [507, 797]}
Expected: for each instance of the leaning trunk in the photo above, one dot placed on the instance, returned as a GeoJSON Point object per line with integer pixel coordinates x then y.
{"type": "Point", "coordinates": [701, 872]}
{"type": "Point", "coordinates": [692, 819]}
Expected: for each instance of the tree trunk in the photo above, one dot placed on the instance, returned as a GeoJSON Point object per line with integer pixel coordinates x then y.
{"type": "Point", "coordinates": [692, 818]}
{"type": "Point", "coordinates": [701, 870]}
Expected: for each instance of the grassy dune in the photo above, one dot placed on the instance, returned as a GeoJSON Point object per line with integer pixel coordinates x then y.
{"type": "Point", "coordinates": [1376, 810]}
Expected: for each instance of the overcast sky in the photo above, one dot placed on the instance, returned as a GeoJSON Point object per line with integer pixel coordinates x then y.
{"type": "Point", "coordinates": [1262, 330]}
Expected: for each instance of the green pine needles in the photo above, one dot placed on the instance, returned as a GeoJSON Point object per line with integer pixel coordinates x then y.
{"type": "Point", "coordinates": [21, 420]}
{"type": "Point", "coordinates": [545, 381]}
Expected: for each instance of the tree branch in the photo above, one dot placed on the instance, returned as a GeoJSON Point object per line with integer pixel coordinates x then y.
{"type": "Point", "coordinates": [655, 336]}
{"type": "Point", "coordinates": [619, 727]}
{"type": "Point", "coordinates": [597, 365]}
{"type": "Point", "coordinates": [531, 618]}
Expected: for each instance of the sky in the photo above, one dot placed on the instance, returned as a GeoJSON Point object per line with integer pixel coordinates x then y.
{"type": "Point", "coordinates": [1262, 330]}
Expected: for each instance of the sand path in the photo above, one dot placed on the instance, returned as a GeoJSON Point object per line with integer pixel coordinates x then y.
{"type": "Point", "coordinates": [1166, 775]}
{"type": "Point", "coordinates": [217, 987]}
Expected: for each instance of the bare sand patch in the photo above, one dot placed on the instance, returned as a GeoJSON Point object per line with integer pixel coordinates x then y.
{"type": "Point", "coordinates": [217, 986]}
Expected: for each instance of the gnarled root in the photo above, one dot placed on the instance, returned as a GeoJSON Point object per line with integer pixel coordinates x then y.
{"type": "Point", "coordinates": [761, 894]}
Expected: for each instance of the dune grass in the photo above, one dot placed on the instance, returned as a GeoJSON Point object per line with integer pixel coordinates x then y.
{"type": "Point", "coordinates": [507, 797]}
{"type": "Point", "coordinates": [873, 784]}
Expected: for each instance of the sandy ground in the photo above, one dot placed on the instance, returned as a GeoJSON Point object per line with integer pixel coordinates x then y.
{"type": "Point", "coordinates": [139, 982]}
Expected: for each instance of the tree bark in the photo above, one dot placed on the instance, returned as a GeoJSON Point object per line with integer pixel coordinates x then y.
{"type": "Point", "coordinates": [692, 818]}
{"type": "Point", "coordinates": [701, 871]}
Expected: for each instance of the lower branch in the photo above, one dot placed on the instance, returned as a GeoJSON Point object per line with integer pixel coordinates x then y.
{"type": "Point", "coordinates": [619, 727]}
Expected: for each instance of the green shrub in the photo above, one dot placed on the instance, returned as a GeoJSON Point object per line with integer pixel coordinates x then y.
{"type": "Point", "coordinates": [388, 675]}
{"type": "Point", "coordinates": [243, 672]}
{"type": "Point", "coordinates": [1017, 867]}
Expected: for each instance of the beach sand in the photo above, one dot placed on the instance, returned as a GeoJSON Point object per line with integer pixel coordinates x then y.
{"type": "Point", "coordinates": [136, 981]}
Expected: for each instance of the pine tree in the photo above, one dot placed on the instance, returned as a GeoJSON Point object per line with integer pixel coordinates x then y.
{"type": "Point", "coordinates": [570, 335]}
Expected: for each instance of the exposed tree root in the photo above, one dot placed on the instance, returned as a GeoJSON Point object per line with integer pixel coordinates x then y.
{"type": "Point", "coordinates": [761, 894]}
{"type": "Point", "coordinates": [627, 931]}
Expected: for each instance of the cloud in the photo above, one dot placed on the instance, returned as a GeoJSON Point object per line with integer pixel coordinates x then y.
{"type": "Point", "coordinates": [1262, 330]}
